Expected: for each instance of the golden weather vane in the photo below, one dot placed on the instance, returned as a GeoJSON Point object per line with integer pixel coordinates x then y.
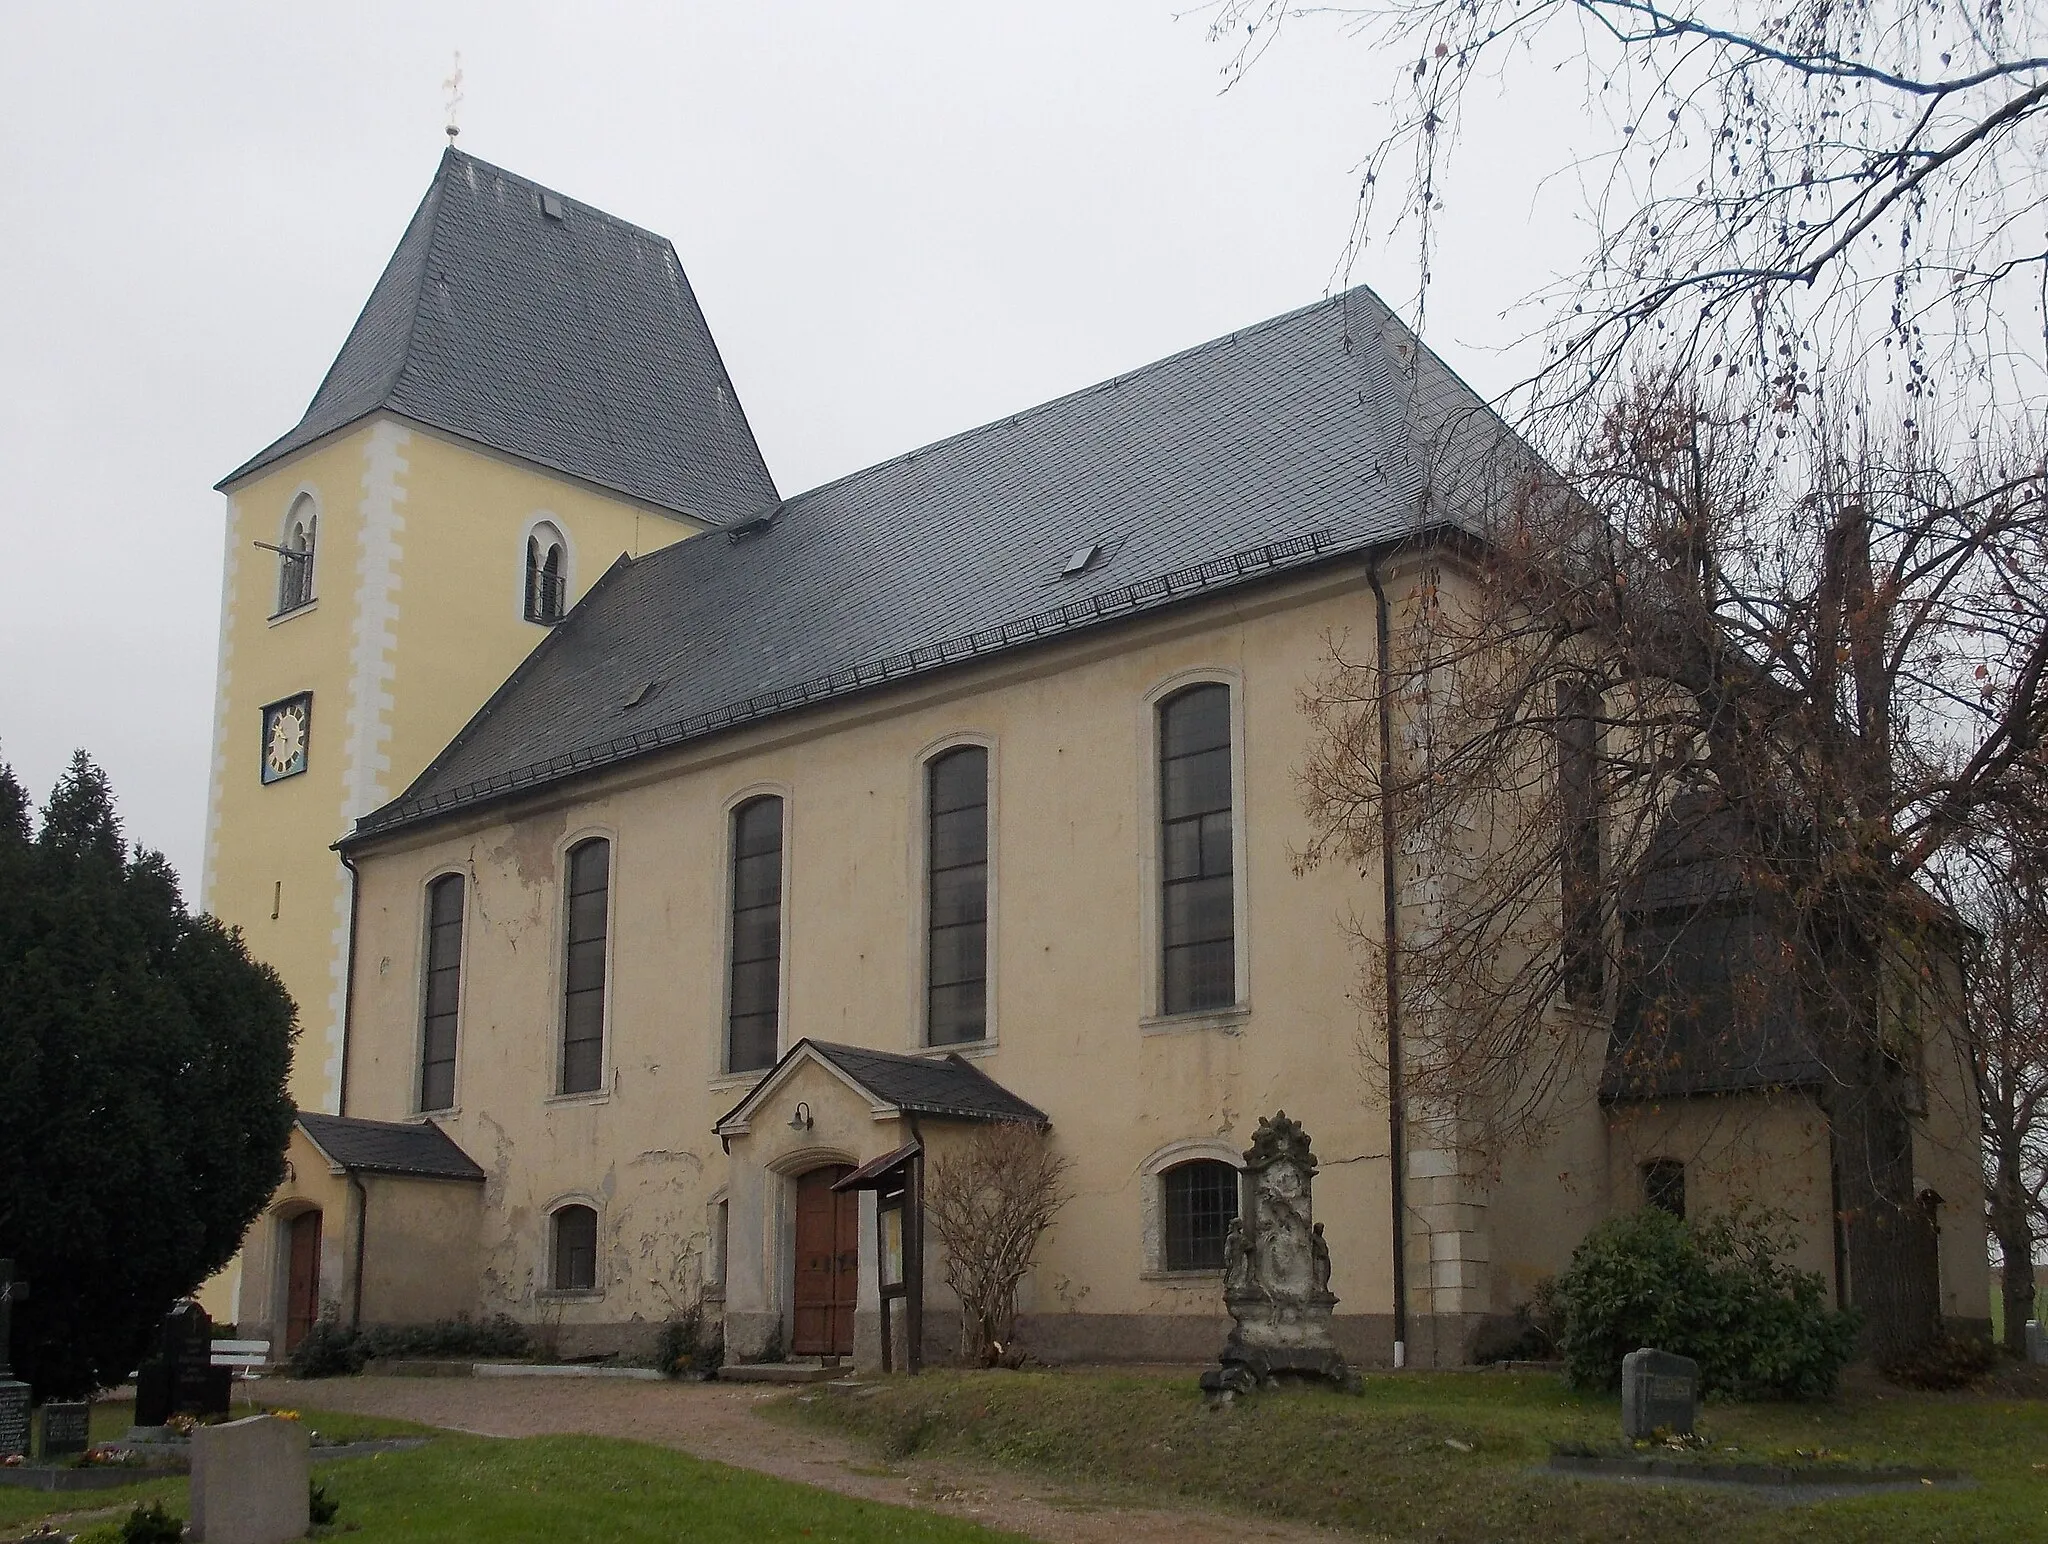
{"type": "Point", "coordinates": [453, 87]}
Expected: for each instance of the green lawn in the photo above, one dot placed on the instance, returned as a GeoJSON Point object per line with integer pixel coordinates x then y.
{"type": "Point", "coordinates": [1384, 1463]}
{"type": "Point", "coordinates": [566, 1490]}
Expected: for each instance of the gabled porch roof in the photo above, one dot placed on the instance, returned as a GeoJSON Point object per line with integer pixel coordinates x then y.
{"type": "Point", "coordinates": [893, 1084]}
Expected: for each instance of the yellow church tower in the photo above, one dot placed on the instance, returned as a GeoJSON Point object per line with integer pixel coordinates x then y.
{"type": "Point", "coordinates": [530, 392]}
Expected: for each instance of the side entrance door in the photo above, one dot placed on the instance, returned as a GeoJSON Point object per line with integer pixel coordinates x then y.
{"type": "Point", "coordinates": [302, 1293]}
{"type": "Point", "coordinates": [827, 1265]}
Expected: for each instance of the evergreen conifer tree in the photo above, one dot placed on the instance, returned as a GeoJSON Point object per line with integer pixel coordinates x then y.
{"type": "Point", "coordinates": [143, 1102]}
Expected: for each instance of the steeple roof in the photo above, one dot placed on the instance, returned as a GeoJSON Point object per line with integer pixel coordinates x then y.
{"type": "Point", "coordinates": [518, 318]}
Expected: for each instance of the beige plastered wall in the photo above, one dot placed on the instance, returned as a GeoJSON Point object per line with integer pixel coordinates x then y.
{"type": "Point", "coordinates": [1073, 967]}
{"type": "Point", "coordinates": [418, 574]}
{"type": "Point", "coordinates": [311, 1184]}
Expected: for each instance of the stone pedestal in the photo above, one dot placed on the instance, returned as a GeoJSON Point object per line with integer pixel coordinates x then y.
{"type": "Point", "coordinates": [251, 1481]}
{"type": "Point", "coordinates": [1276, 1273]}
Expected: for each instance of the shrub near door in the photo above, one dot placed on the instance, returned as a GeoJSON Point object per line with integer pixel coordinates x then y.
{"type": "Point", "coordinates": [1713, 1290]}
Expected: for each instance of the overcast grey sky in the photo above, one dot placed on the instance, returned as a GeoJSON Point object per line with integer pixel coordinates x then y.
{"type": "Point", "coordinates": [902, 219]}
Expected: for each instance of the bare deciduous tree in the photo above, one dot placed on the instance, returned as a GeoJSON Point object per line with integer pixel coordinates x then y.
{"type": "Point", "coordinates": [2000, 889]}
{"type": "Point", "coordinates": [988, 1200]}
{"type": "Point", "coordinates": [1758, 176]}
{"type": "Point", "coordinates": [1679, 702]}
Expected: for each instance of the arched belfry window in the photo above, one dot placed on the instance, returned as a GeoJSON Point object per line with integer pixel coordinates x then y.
{"type": "Point", "coordinates": [547, 574]}
{"type": "Point", "coordinates": [295, 556]}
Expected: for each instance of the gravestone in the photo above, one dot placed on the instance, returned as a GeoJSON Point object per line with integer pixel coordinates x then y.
{"type": "Point", "coordinates": [65, 1429]}
{"type": "Point", "coordinates": [181, 1378]}
{"type": "Point", "coordinates": [250, 1481]}
{"type": "Point", "coordinates": [13, 1395]}
{"type": "Point", "coordinates": [1276, 1273]}
{"type": "Point", "coordinates": [2037, 1342]}
{"type": "Point", "coordinates": [1659, 1392]}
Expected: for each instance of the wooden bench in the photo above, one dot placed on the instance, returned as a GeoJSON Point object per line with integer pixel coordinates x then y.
{"type": "Point", "coordinates": [248, 1357]}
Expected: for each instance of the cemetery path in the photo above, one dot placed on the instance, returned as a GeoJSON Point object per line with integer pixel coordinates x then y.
{"type": "Point", "coordinates": [722, 1421]}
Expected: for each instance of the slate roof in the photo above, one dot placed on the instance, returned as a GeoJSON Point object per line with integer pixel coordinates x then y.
{"type": "Point", "coordinates": [1287, 444]}
{"type": "Point", "coordinates": [421, 1150]}
{"type": "Point", "coordinates": [930, 1085]}
{"type": "Point", "coordinates": [946, 1086]}
{"type": "Point", "coordinates": [576, 343]}
{"type": "Point", "coordinates": [1706, 1005]}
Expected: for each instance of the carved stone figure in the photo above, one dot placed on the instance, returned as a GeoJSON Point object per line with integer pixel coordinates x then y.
{"type": "Point", "coordinates": [1276, 1273]}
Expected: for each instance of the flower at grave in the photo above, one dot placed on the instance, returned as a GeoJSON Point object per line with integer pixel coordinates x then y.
{"type": "Point", "coordinates": [12, 1460]}
{"type": "Point", "coordinates": [286, 1415]}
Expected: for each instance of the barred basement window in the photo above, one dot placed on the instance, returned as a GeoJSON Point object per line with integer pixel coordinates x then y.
{"type": "Point", "coordinates": [1664, 1185]}
{"type": "Point", "coordinates": [754, 992]}
{"type": "Point", "coordinates": [1200, 1205]}
{"type": "Point", "coordinates": [575, 1249]}
{"type": "Point", "coordinates": [443, 993]}
{"type": "Point", "coordinates": [1197, 931]}
{"type": "Point", "coordinates": [957, 875]}
{"type": "Point", "coordinates": [589, 898]}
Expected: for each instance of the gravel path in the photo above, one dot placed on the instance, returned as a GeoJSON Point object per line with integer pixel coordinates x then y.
{"type": "Point", "coordinates": [720, 1421]}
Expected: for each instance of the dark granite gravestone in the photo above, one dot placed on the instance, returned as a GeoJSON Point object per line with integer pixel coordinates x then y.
{"type": "Point", "coordinates": [66, 1429]}
{"type": "Point", "coordinates": [1659, 1392]}
{"type": "Point", "coordinates": [13, 1395]}
{"type": "Point", "coordinates": [181, 1378]}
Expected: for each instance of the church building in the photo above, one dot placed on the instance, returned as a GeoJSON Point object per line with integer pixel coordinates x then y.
{"type": "Point", "coordinates": [662, 862]}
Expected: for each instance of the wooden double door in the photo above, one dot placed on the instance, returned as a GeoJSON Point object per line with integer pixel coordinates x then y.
{"type": "Point", "coordinates": [827, 1264]}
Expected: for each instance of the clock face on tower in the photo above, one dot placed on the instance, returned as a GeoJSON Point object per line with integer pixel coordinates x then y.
{"type": "Point", "coordinates": [287, 726]}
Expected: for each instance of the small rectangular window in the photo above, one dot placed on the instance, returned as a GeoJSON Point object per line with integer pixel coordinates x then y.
{"type": "Point", "coordinates": [956, 958]}
{"type": "Point", "coordinates": [443, 994]}
{"type": "Point", "coordinates": [754, 986]}
{"type": "Point", "coordinates": [589, 901]}
{"type": "Point", "coordinates": [575, 1249]}
{"type": "Point", "coordinates": [1664, 1185]}
{"type": "Point", "coordinates": [1198, 925]}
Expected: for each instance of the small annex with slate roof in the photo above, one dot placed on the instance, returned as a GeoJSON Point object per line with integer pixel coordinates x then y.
{"type": "Point", "coordinates": [404, 1149]}
{"type": "Point", "coordinates": [519, 318]}
{"type": "Point", "coordinates": [948, 1087]}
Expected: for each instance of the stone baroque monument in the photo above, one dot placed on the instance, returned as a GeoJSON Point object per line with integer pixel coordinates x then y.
{"type": "Point", "coordinates": [1276, 1273]}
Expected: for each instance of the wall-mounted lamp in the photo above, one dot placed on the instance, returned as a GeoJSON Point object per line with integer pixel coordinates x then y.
{"type": "Point", "coordinates": [801, 1119]}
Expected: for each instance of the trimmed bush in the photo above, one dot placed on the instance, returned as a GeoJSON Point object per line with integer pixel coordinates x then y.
{"type": "Point", "coordinates": [1716, 1290]}
{"type": "Point", "coordinates": [330, 1351]}
{"type": "Point", "coordinates": [1946, 1362]}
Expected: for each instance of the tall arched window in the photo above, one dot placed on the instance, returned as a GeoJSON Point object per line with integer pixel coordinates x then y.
{"type": "Point", "coordinates": [443, 993]}
{"type": "Point", "coordinates": [1200, 1203]}
{"type": "Point", "coordinates": [295, 556]}
{"type": "Point", "coordinates": [547, 574]}
{"type": "Point", "coordinates": [754, 993]}
{"type": "Point", "coordinates": [956, 956]}
{"type": "Point", "coordinates": [589, 905]}
{"type": "Point", "coordinates": [575, 1249]}
{"type": "Point", "coordinates": [1197, 933]}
